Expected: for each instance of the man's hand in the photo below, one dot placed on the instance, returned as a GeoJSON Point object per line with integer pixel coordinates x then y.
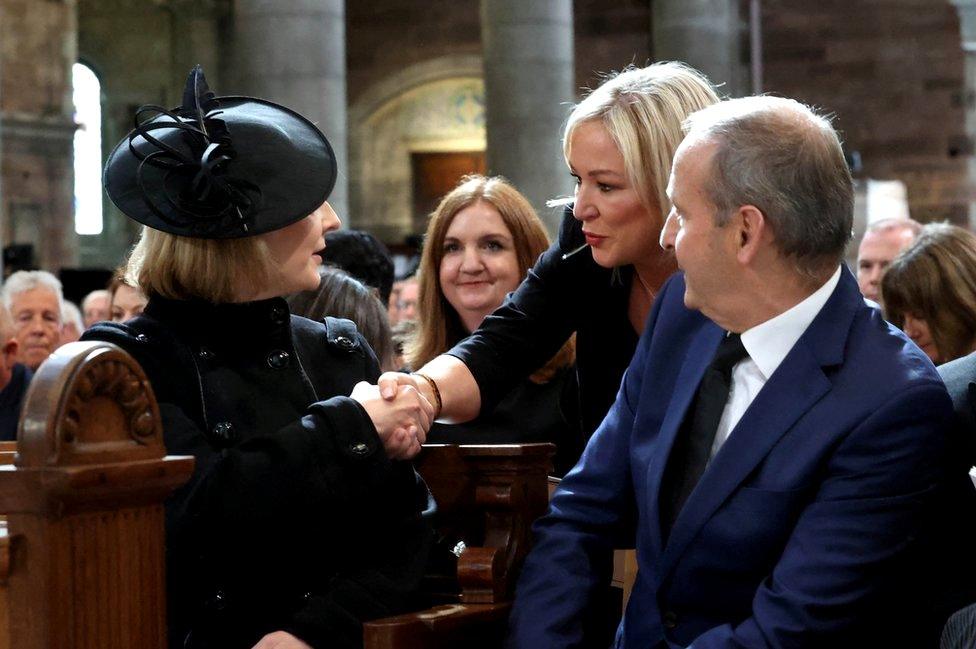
{"type": "Point", "coordinates": [402, 421]}
{"type": "Point", "coordinates": [281, 640]}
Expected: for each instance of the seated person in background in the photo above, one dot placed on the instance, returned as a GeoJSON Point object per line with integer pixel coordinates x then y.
{"type": "Point", "coordinates": [342, 296]}
{"type": "Point", "coordinates": [96, 307]}
{"type": "Point", "coordinates": [929, 292]}
{"type": "Point", "coordinates": [403, 300]}
{"type": "Point", "coordinates": [363, 256]}
{"type": "Point", "coordinates": [881, 243]}
{"type": "Point", "coordinates": [127, 301]}
{"type": "Point", "coordinates": [71, 322]}
{"type": "Point", "coordinates": [34, 300]}
{"type": "Point", "coordinates": [480, 242]}
{"type": "Point", "coordinates": [14, 378]}
{"type": "Point", "coordinates": [301, 519]}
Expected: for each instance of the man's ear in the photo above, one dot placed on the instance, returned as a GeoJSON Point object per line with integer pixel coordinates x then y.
{"type": "Point", "coordinates": [750, 228]}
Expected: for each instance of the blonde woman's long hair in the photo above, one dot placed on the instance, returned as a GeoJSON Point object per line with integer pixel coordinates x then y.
{"type": "Point", "coordinates": [439, 326]}
{"type": "Point", "coordinates": [644, 110]}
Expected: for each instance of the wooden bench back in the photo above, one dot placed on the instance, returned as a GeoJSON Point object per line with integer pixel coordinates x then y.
{"type": "Point", "coordinates": [82, 552]}
{"type": "Point", "coordinates": [83, 500]}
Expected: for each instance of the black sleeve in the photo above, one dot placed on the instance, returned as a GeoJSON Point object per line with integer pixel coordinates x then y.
{"type": "Point", "coordinates": [533, 322]}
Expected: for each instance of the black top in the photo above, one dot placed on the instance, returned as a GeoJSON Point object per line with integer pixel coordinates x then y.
{"type": "Point", "coordinates": [11, 400]}
{"type": "Point", "coordinates": [559, 296]}
{"type": "Point", "coordinates": [288, 519]}
{"type": "Point", "coordinates": [532, 412]}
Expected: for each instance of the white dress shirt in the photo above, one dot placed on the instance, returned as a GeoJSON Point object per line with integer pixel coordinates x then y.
{"type": "Point", "coordinates": [768, 344]}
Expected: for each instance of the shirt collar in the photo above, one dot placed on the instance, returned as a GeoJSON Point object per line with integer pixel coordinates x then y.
{"type": "Point", "coordinates": [768, 343]}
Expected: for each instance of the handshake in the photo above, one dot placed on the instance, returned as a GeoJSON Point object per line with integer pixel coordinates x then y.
{"type": "Point", "coordinates": [401, 408]}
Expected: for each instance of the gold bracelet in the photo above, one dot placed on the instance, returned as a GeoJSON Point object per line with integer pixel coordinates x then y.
{"type": "Point", "coordinates": [438, 406]}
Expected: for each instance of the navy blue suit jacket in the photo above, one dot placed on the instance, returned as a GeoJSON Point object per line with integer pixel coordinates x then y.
{"type": "Point", "coordinates": [801, 532]}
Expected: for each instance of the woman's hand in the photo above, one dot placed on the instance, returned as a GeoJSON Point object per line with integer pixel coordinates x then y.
{"type": "Point", "coordinates": [460, 397]}
{"type": "Point", "coordinates": [390, 383]}
{"type": "Point", "coordinates": [281, 640]}
{"type": "Point", "coordinates": [401, 421]}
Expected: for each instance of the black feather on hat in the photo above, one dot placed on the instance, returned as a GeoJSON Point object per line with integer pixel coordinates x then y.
{"type": "Point", "coordinates": [219, 167]}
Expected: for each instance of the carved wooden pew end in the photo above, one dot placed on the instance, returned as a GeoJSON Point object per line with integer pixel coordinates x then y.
{"type": "Point", "coordinates": [83, 498]}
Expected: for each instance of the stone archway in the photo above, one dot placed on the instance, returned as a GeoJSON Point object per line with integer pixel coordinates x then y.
{"type": "Point", "coordinates": [435, 106]}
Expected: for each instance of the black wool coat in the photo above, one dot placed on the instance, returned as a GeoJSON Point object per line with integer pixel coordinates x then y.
{"type": "Point", "coordinates": [294, 519]}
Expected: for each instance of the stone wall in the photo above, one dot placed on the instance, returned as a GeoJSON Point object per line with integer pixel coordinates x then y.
{"type": "Point", "coordinates": [37, 50]}
{"type": "Point", "coordinates": [892, 72]}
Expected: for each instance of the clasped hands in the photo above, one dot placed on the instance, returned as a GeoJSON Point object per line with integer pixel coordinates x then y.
{"type": "Point", "coordinates": [401, 414]}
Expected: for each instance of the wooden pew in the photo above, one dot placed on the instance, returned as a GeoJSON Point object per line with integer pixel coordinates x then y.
{"type": "Point", "coordinates": [82, 563]}
{"type": "Point", "coordinates": [488, 497]}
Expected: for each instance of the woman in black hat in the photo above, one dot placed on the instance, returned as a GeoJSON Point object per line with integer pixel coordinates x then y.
{"type": "Point", "coordinates": [282, 537]}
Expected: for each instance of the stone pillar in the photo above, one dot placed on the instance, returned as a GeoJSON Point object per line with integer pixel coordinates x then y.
{"type": "Point", "coordinates": [967, 28]}
{"type": "Point", "coordinates": [528, 68]}
{"type": "Point", "coordinates": [706, 35]}
{"type": "Point", "coordinates": [293, 52]}
{"type": "Point", "coordinates": [38, 46]}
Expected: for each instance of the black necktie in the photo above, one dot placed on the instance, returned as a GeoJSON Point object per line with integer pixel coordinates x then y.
{"type": "Point", "coordinates": [693, 445]}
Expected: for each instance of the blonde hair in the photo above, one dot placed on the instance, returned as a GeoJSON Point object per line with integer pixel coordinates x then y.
{"type": "Point", "coordinates": [184, 268]}
{"type": "Point", "coordinates": [438, 325]}
{"type": "Point", "coordinates": [643, 110]}
{"type": "Point", "coordinates": [934, 279]}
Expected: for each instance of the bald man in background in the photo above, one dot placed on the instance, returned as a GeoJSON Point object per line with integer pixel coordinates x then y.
{"type": "Point", "coordinates": [881, 243]}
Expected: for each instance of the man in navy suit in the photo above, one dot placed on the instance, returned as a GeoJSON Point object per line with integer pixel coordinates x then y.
{"type": "Point", "coordinates": [775, 445]}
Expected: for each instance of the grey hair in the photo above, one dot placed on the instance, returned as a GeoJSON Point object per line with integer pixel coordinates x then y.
{"type": "Point", "coordinates": [94, 295]}
{"type": "Point", "coordinates": [71, 314]}
{"type": "Point", "coordinates": [28, 280]}
{"type": "Point", "coordinates": [780, 156]}
{"type": "Point", "coordinates": [891, 224]}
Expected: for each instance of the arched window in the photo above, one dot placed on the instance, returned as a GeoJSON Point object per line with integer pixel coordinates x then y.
{"type": "Point", "coordinates": [87, 149]}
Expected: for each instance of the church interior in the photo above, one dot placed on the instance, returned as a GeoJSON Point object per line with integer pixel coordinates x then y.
{"type": "Point", "coordinates": [418, 97]}
{"type": "Point", "coordinates": [413, 97]}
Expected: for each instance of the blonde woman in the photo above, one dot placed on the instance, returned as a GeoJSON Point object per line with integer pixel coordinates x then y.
{"type": "Point", "coordinates": [480, 243]}
{"type": "Point", "coordinates": [601, 275]}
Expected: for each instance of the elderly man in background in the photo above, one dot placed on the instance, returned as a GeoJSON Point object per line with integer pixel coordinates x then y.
{"type": "Point", "coordinates": [34, 300]}
{"type": "Point", "coordinates": [14, 378]}
{"type": "Point", "coordinates": [96, 307]}
{"type": "Point", "coordinates": [773, 502]}
{"type": "Point", "coordinates": [881, 243]}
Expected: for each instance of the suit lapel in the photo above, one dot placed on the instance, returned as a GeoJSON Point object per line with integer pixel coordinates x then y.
{"type": "Point", "coordinates": [793, 389]}
{"type": "Point", "coordinates": [700, 353]}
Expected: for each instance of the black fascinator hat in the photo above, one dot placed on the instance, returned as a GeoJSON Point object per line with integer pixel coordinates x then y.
{"type": "Point", "coordinates": [219, 167]}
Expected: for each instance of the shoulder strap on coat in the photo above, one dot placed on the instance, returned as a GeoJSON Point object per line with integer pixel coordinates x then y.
{"type": "Point", "coordinates": [342, 334]}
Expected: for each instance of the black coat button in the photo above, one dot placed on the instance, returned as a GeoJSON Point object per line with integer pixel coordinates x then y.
{"type": "Point", "coordinates": [279, 314]}
{"type": "Point", "coordinates": [670, 619]}
{"type": "Point", "coordinates": [345, 342]}
{"type": "Point", "coordinates": [359, 449]}
{"type": "Point", "coordinates": [143, 338]}
{"type": "Point", "coordinates": [278, 359]}
{"type": "Point", "coordinates": [205, 354]}
{"type": "Point", "coordinates": [224, 433]}
{"type": "Point", "coordinates": [219, 601]}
